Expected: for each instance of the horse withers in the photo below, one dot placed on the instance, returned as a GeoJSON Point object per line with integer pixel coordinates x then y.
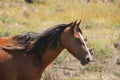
{"type": "Point", "coordinates": [25, 56]}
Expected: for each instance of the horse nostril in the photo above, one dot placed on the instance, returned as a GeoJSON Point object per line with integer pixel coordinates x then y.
{"type": "Point", "coordinates": [88, 59]}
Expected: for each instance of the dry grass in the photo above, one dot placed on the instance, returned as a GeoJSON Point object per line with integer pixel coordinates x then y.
{"type": "Point", "coordinates": [100, 25]}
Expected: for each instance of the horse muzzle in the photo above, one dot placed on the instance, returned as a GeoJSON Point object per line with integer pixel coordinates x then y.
{"type": "Point", "coordinates": [86, 61]}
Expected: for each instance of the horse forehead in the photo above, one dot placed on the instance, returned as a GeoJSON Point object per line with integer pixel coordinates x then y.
{"type": "Point", "coordinates": [78, 30]}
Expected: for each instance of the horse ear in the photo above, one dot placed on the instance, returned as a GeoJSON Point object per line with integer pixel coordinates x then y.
{"type": "Point", "coordinates": [78, 23]}
{"type": "Point", "coordinates": [73, 25]}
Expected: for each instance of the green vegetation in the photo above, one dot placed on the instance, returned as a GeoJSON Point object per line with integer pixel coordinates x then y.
{"type": "Point", "coordinates": [100, 25]}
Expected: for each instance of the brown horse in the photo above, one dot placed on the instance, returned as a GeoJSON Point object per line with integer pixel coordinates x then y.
{"type": "Point", "coordinates": [25, 57]}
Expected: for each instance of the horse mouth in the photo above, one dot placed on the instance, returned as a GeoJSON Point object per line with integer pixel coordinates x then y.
{"type": "Point", "coordinates": [85, 62]}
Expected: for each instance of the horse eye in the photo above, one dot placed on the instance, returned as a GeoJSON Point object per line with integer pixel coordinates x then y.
{"type": "Point", "coordinates": [77, 39]}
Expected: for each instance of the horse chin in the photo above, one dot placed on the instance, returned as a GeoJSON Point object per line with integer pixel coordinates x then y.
{"type": "Point", "coordinates": [84, 62]}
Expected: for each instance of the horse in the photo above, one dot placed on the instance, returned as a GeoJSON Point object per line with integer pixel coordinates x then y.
{"type": "Point", "coordinates": [26, 56]}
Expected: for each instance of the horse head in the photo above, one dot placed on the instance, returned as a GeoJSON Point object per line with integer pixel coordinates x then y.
{"type": "Point", "coordinates": [74, 42]}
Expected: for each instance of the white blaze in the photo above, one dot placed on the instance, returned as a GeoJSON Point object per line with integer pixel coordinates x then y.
{"type": "Point", "coordinates": [86, 47]}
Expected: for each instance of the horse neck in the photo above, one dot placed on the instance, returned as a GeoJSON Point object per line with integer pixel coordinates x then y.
{"type": "Point", "coordinates": [50, 55]}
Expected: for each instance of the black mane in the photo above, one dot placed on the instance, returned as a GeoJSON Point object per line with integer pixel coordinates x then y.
{"type": "Point", "coordinates": [24, 40]}
{"type": "Point", "coordinates": [49, 38]}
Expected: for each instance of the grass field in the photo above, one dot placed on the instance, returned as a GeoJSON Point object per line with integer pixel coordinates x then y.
{"type": "Point", "coordinates": [100, 25]}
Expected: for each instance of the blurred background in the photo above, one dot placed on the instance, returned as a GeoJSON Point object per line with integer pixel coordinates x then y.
{"type": "Point", "coordinates": [100, 25]}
